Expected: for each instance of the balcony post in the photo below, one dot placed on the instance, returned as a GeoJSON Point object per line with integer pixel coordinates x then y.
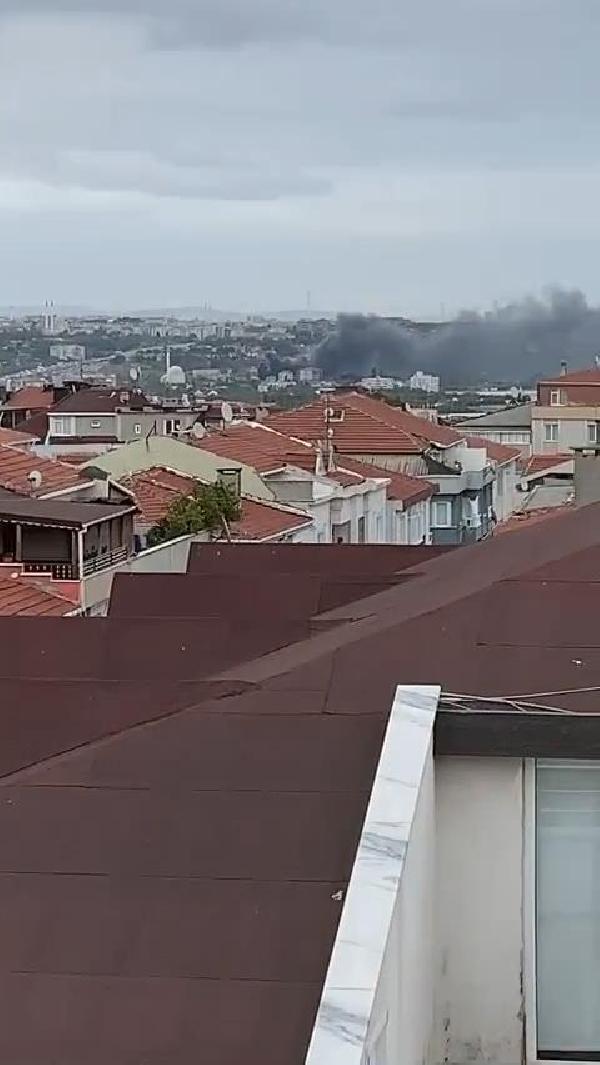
{"type": "Point", "coordinates": [18, 543]}
{"type": "Point", "coordinates": [79, 571]}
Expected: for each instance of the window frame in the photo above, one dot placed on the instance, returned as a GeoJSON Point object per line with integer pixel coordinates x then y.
{"type": "Point", "coordinates": [137, 428]}
{"type": "Point", "coordinates": [530, 918]}
{"type": "Point", "coordinates": [434, 517]}
{"type": "Point", "coordinates": [62, 420]}
{"type": "Point", "coordinates": [549, 436]}
{"type": "Point", "coordinates": [555, 402]}
{"type": "Point", "coordinates": [592, 438]}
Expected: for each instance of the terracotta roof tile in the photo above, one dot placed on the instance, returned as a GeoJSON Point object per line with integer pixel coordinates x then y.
{"type": "Point", "coordinates": [32, 397]}
{"type": "Point", "coordinates": [395, 417]}
{"type": "Point", "coordinates": [402, 487]}
{"type": "Point", "coordinates": [534, 465]}
{"type": "Point", "coordinates": [354, 433]}
{"type": "Point", "coordinates": [264, 521]}
{"type": "Point", "coordinates": [257, 446]}
{"type": "Point", "coordinates": [25, 597]}
{"type": "Point", "coordinates": [15, 438]}
{"type": "Point", "coordinates": [157, 488]}
{"type": "Point", "coordinates": [500, 453]}
{"type": "Point", "coordinates": [266, 450]}
{"type": "Point", "coordinates": [16, 466]}
{"type": "Point", "coordinates": [590, 376]}
{"type": "Point", "coordinates": [364, 425]}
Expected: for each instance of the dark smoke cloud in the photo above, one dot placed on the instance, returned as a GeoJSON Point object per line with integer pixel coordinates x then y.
{"type": "Point", "coordinates": [513, 344]}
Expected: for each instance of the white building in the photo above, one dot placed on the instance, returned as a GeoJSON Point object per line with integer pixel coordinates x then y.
{"type": "Point", "coordinates": [67, 352]}
{"type": "Point", "coordinates": [426, 382]}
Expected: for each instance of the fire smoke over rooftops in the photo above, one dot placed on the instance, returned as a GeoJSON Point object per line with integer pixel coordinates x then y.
{"type": "Point", "coordinates": [516, 343]}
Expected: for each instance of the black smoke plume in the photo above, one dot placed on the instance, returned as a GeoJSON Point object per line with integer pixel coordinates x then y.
{"type": "Point", "coordinates": [513, 344]}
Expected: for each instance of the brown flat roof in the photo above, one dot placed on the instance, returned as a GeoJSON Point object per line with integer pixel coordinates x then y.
{"type": "Point", "coordinates": [170, 888]}
{"type": "Point", "coordinates": [359, 559]}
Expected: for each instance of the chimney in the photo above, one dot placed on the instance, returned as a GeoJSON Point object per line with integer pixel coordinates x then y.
{"type": "Point", "coordinates": [319, 464]}
{"type": "Point", "coordinates": [563, 368]}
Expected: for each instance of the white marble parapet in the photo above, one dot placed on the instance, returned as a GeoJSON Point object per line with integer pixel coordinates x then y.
{"type": "Point", "coordinates": [347, 999]}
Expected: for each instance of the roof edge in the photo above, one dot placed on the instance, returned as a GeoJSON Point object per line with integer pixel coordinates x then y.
{"type": "Point", "coordinates": [341, 1027]}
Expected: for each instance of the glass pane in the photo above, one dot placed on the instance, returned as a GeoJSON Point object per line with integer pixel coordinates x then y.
{"type": "Point", "coordinates": [568, 908]}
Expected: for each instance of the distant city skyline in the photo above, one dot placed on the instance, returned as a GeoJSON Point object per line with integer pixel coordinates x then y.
{"type": "Point", "coordinates": [388, 158]}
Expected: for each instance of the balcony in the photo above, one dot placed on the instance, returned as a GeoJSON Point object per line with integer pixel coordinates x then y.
{"type": "Point", "coordinates": [59, 571]}
{"type": "Point", "coordinates": [99, 563]}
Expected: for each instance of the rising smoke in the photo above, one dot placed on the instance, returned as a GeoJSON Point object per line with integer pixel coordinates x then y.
{"type": "Point", "coordinates": [513, 344]}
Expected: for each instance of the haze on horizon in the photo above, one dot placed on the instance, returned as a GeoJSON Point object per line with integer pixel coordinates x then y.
{"type": "Point", "coordinates": [391, 157]}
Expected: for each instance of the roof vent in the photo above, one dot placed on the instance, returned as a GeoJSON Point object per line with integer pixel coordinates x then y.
{"type": "Point", "coordinates": [563, 368]}
{"type": "Point", "coordinates": [35, 479]}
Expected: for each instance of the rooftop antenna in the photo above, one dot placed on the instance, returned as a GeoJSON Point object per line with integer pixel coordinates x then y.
{"type": "Point", "coordinates": [330, 465]}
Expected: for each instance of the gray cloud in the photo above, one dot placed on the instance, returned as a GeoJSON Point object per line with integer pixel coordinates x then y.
{"type": "Point", "coordinates": [359, 131]}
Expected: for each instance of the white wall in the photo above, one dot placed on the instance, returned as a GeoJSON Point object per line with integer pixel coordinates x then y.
{"type": "Point", "coordinates": [478, 937]}
{"type": "Point", "coordinates": [409, 526]}
{"type": "Point", "coordinates": [401, 1023]}
{"type": "Point", "coordinates": [171, 557]}
{"type": "Point", "coordinates": [504, 490]}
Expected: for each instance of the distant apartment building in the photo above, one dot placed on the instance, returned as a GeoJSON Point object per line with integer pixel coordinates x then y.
{"type": "Point", "coordinates": [474, 481]}
{"type": "Point", "coordinates": [566, 413]}
{"type": "Point", "coordinates": [425, 382]}
{"type": "Point", "coordinates": [84, 418]}
{"type": "Point", "coordinates": [67, 352]}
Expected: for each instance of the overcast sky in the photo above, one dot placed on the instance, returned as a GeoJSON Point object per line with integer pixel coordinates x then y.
{"type": "Point", "coordinates": [387, 155]}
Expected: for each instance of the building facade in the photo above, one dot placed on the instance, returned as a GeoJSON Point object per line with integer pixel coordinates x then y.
{"type": "Point", "coordinates": [566, 413]}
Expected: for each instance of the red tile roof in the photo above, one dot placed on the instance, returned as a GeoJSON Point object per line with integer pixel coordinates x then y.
{"type": "Point", "coordinates": [402, 487]}
{"type": "Point", "coordinates": [268, 450]}
{"type": "Point", "coordinates": [535, 465]}
{"type": "Point", "coordinates": [259, 447]}
{"type": "Point", "coordinates": [25, 597]}
{"type": "Point", "coordinates": [265, 521]}
{"type": "Point", "coordinates": [500, 453]}
{"type": "Point", "coordinates": [16, 467]}
{"type": "Point", "coordinates": [32, 397]}
{"type": "Point", "coordinates": [157, 488]}
{"type": "Point", "coordinates": [576, 377]}
{"type": "Point", "coordinates": [15, 438]}
{"type": "Point", "coordinates": [363, 426]}
{"type": "Point", "coordinates": [395, 417]}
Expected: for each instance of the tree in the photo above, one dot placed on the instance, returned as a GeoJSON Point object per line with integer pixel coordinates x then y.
{"type": "Point", "coordinates": [210, 507]}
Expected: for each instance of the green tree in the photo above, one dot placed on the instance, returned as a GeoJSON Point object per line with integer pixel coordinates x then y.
{"type": "Point", "coordinates": [211, 508]}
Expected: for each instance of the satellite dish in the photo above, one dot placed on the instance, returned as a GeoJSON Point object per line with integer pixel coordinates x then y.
{"type": "Point", "coordinates": [198, 430]}
{"type": "Point", "coordinates": [227, 413]}
{"type": "Point", "coordinates": [35, 478]}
